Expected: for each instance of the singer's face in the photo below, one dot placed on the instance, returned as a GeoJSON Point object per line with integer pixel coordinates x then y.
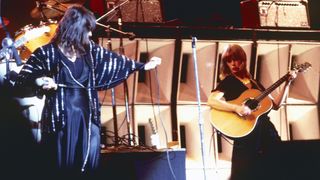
{"type": "Point", "coordinates": [235, 65]}
{"type": "Point", "coordinates": [89, 34]}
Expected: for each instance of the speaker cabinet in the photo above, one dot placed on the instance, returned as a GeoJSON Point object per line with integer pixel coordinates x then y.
{"type": "Point", "coordinates": [143, 165]}
{"type": "Point", "coordinates": [268, 13]}
{"type": "Point", "coordinates": [296, 160]}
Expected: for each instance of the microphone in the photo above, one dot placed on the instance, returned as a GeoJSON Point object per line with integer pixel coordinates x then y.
{"type": "Point", "coordinates": [131, 35]}
{"type": "Point", "coordinates": [9, 44]}
{"type": "Point", "coordinates": [41, 4]}
{"type": "Point", "coordinates": [38, 4]}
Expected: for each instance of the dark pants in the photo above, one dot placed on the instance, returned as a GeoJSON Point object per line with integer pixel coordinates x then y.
{"type": "Point", "coordinates": [253, 155]}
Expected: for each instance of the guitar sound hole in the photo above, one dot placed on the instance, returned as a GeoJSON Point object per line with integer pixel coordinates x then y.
{"type": "Point", "coordinates": [252, 103]}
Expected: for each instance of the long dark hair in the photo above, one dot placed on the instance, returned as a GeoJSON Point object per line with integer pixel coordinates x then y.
{"type": "Point", "coordinates": [72, 31]}
{"type": "Point", "coordinates": [233, 52]}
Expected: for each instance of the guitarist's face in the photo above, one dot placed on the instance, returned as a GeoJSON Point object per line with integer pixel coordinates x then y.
{"type": "Point", "coordinates": [235, 66]}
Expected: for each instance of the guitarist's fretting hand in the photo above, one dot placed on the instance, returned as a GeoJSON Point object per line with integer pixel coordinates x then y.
{"type": "Point", "coordinates": [280, 98]}
{"type": "Point", "coordinates": [292, 76]}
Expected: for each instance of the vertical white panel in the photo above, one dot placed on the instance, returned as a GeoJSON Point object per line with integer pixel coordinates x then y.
{"type": "Point", "coordinates": [304, 121]}
{"type": "Point", "coordinates": [108, 122]}
{"type": "Point", "coordinates": [188, 117]}
{"type": "Point", "coordinates": [273, 63]}
{"type": "Point", "coordinates": [130, 48]}
{"type": "Point", "coordinates": [205, 57]}
{"type": "Point", "coordinates": [164, 49]}
{"type": "Point", "coordinates": [305, 88]}
{"type": "Point", "coordinates": [280, 121]}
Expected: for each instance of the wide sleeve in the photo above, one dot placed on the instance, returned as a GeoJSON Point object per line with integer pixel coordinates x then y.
{"type": "Point", "coordinates": [31, 70]}
{"type": "Point", "coordinates": [112, 69]}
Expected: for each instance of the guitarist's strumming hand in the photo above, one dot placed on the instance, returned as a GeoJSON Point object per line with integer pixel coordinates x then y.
{"type": "Point", "coordinates": [242, 110]}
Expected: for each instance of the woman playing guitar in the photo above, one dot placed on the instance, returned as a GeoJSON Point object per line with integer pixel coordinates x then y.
{"type": "Point", "coordinates": [235, 80]}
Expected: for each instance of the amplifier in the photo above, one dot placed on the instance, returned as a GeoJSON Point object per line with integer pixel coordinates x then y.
{"type": "Point", "coordinates": [275, 13]}
{"type": "Point", "coordinates": [144, 11]}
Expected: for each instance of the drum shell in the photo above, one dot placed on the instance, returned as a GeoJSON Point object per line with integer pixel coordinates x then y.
{"type": "Point", "coordinates": [27, 49]}
{"type": "Point", "coordinates": [31, 106]}
{"type": "Point", "coordinates": [8, 67]}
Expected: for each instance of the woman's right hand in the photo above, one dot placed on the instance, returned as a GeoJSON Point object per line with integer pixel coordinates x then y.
{"type": "Point", "coordinates": [242, 110]}
{"type": "Point", "coordinates": [46, 83]}
{"type": "Point", "coordinates": [154, 62]}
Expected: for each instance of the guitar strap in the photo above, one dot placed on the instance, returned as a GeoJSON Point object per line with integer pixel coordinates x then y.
{"type": "Point", "coordinates": [257, 85]}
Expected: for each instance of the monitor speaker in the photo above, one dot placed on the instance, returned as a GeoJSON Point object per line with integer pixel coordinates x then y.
{"type": "Point", "coordinates": [297, 159]}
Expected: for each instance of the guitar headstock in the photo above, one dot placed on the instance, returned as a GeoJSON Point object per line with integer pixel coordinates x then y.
{"type": "Point", "coordinates": [302, 67]}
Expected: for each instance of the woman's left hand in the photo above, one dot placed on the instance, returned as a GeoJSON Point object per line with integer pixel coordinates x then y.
{"type": "Point", "coordinates": [292, 76]}
{"type": "Point", "coordinates": [154, 62]}
{"type": "Point", "coordinates": [46, 83]}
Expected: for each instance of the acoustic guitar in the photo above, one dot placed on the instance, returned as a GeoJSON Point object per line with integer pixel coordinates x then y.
{"type": "Point", "coordinates": [235, 126]}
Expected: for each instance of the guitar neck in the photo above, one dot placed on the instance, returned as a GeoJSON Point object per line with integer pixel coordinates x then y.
{"type": "Point", "coordinates": [20, 42]}
{"type": "Point", "coordinates": [271, 88]}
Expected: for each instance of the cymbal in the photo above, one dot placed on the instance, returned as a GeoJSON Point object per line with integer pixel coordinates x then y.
{"type": "Point", "coordinates": [53, 8]}
{"type": "Point", "coordinates": [66, 1]}
{"type": "Point", "coordinates": [5, 22]}
{"type": "Point", "coordinates": [72, 1]}
{"type": "Point", "coordinates": [49, 9]}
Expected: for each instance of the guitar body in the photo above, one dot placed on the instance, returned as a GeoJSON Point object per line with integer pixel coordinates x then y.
{"type": "Point", "coordinates": [235, 126]}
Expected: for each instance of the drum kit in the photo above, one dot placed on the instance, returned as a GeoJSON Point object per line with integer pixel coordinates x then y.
{"type": "Point", "coordinates": [30, 37]}
{"type": "Point", "coordinates": [26, 40]}
{"type": "Point", "coordinates": [48, 12]}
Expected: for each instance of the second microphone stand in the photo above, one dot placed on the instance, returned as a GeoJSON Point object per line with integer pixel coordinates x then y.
{"type": "Point", "coordinates": [131, 36]}
{"type": "Point", "coordinates": [125, 86]}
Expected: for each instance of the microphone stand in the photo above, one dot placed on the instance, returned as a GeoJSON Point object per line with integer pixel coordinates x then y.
{"type": "Point", "coordinates": [125, 85]}
{"type": "Point", "coordinates": [113, 9]}
{"type": "Point", "coordinates": [131, 35]}
{"type": "Point", "coordinates": [113, 100]}
{"type": "Point", "coordinates": [200, 119]}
